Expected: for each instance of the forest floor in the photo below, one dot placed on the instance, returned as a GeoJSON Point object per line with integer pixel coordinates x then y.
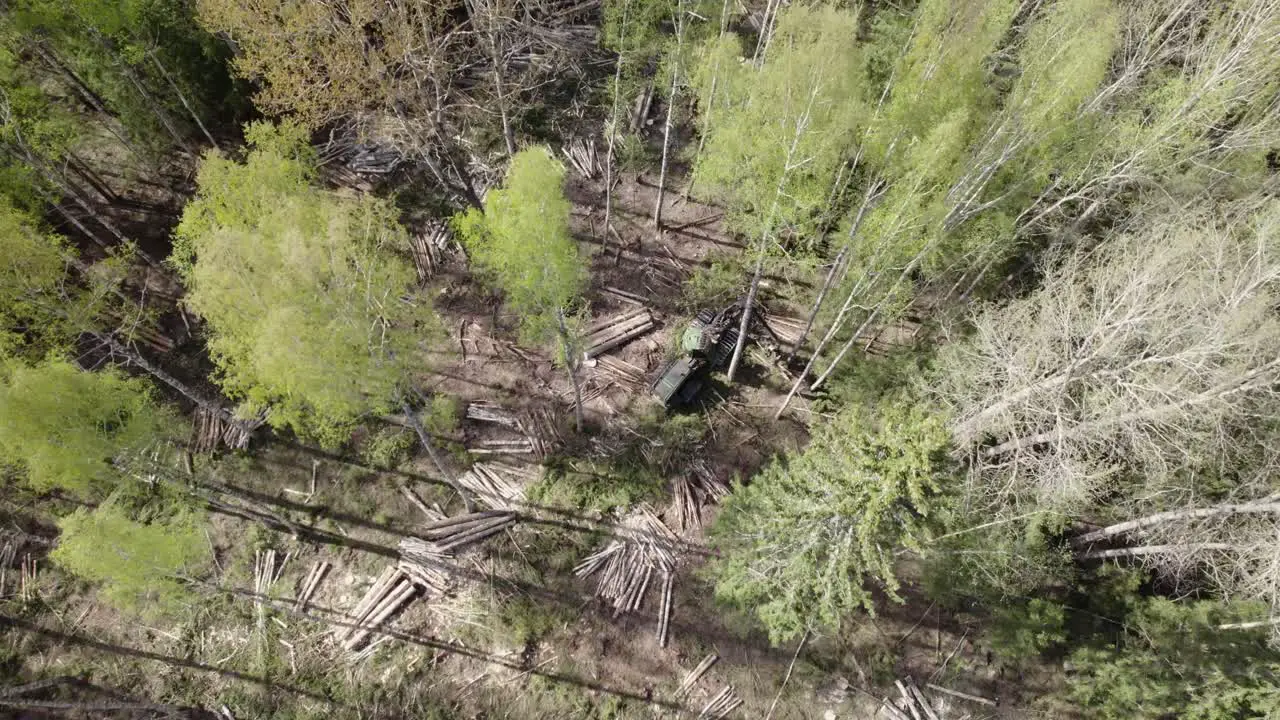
{"type": "Point", "coordinates": [520, 636]}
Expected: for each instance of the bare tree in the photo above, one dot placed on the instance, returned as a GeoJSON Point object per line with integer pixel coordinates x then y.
{"type": "Point", "coordinates": [1158, 350]}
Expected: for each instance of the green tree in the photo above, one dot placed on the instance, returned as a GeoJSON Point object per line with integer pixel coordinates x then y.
{"type": "Point", "coordinates": [302, 289]}
{"type": "Point", "coordinates": [522, 245]}
{"type": "Point", "coordinates": [803, 541]}
{"type": "Point", "coordinates": [139, 563]}
{"type": "Point", "coordinates": [63, 427]}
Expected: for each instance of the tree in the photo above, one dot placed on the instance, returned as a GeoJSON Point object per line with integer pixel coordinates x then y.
{"type": "Point", "coordinates": [65, 428]}
{"type": "Point", "coordinates": [780, 131]}
{"type": "Point", "coordinates": [138, 563]}
{"type": "Point", "coordinates": [803, 541]}
{"type": "Point", "coordinates": [523, 246]}
{"type": "Point", "coordinates": [301, 288]}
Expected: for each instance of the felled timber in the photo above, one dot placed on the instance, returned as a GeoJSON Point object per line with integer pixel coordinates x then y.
{"type": "Point", "coordinates": [427, 249]}
{"type": "Point", "coordinates": [388, 595]}
{"type": "Point", "coordinates": [493, 485]}
{"type": "Point", "coordinates": [620, 370]}
{"type": "Point", "coordinates": [212, 429]}
{"type": "Point", "coordinates": [492, 413]}
{"type": "Point", "coordinates": [724, 702]}
{"type": "Point", "coordinates": [694, 490]}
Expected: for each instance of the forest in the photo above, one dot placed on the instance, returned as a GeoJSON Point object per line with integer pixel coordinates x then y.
{"type": "Point", "coordinates": [620, 359]}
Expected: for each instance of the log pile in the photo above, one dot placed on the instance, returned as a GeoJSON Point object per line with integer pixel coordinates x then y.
{"type": "Point", "coordinates": [502, 447]}
{"type": "Point", "coordinates": [543, 430]}
{"type": "Point", "coordinates": [913, 704]}
{"type": "Point", "coordinates": [628, 566]}
{"type": "Point", "coordinates": [725, 702]}
{"type": "Point", "coordinates": [609, 333]}
{"type": "Point", "coordinates": [265, 574]}
{"type": "Point", "coordinates": [427, 249]}
{"type": "Point", "coordinates": [310, 583]}
{"type": "Point", "coordinates": [581, 154]}
{"type": "Point", "coordinates": [692, 491]}
{"type": "Point", "coordinates": [640, 108]}
{"type": "Point", "coordinates": [494, 484]}
{"type": "Point", "coordinates": [539, 428]}
{"type": "Point", "coordinates": [447, 536]}
{"type": "Point", "coordinates": [212, 429]}
{"type": "Point", "coordinates": [624, 296]}
{"type": "Point", "coordinates": [389, 594]}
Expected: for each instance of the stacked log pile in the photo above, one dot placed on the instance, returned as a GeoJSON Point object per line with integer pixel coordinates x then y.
{"type": "Point", "coordinates": [628, 566]}
{"type": "Point", "coordinates": [390, 593]}
{"type": "Point", "coordinates": [620, 371]}
{"type": "Point", "coordinates": [581, 154]}
{"type": "Point", "coordinates": [538, 427]}
{"type": "Point", "coordinates": [691, 680]}
{"type": "Point", "coordinates": [613, 332]}
{"type": "Point", "coordinates": [485, 411]}
{"type": "Point", "coordinates": [447, 536]}
{"type": "Point", "coordinates": [786, 329]}
{"type": "Point", "coordinates": [692, 491]}
{"type": "Point", "coordinates": [212, 429]}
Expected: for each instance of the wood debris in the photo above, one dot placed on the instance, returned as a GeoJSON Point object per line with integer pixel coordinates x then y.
{"type": "Point", "coordinates": [581, 154]}
{"type": "Point", "coordinates": [494, 484]}
{"type": "Point", "coordinates": [625, 296]}
{"type": "Point", "coordinates": [212, 429]}
{"type": "Point", "coordinates": [389, 594]}
{"type": "Point", "coordinates": [725, 702]}
{"type": "Point", "coordinates": [610, 333]}
{"type": "Point", "coordinates": [310, 583]}
{"type": "Point", "coordinates": [691, 680]}
{"type": "Point", "coordinates": [432, 514]}
{"type": "Point", "coordinates": [627, 566]}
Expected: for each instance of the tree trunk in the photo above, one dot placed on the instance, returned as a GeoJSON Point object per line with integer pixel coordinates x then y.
{"type": "Point", "coordinates": [1155, 550]}
{"type": "Point", "coordinates": [91, 98]}
{"type": "Point", "coordinates": [666, 128]}
{"type": "Point", "coordinates": [747, 306]}
{"type": "Point", "coordinates": [89, 176]}
{"type": "Point", "coordinates": [613, 129]}
{"type": "Point", "coordinates": [571, 367]}
{"type": "Point", "coordinates": [155, 108]}
{"type": "Point", "coordinates": [183, 99]}
{"type": "Point", "coordinates": [425, 439]}
{"type": "Point", "coordinates": [1260, 507]}
{"type": "Point", "coordinates": [190, 393]}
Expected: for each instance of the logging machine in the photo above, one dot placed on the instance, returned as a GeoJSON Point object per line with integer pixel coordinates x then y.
{"type": "Point", "coordinates": [705, 345]}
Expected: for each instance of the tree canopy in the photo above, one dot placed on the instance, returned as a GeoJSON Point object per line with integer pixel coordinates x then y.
{"type": "Point", "coordinates": [302, 289]}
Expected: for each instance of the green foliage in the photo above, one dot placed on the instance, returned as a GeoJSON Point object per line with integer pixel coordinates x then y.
{"type": "Point", "coordinates": [137, 563]}
{"type": "Point", "coordinates": [34, 265]}
{"type": "Point", "coordinates": [1172, 660]}
{"type": "Point", "coordinates": [302, 288]}
{"type": "Point", "coordinates": [132, 53]}
{"type": "Point", "coordinates": [595, 486]}
{"type": "Point", "coordinates": [389, 447]}
{"type": "Point", "coordinates": [1025, 630]}
{"type": "Point", "coordinates": [777, 134]}
{"type": "Point", "coordinates": [714, 284]}
{"type": "Point", "coordinates": [803, 541]}
{"type": "Point", "coordinates": [522, 244]}
{"type": "Point", "coordinates": [64, 427]}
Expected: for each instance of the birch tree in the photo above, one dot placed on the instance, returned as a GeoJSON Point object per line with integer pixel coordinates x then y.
{"type": "Point", "coordinates": [523, 247]}
{"type": "Point", "coordinates": [304, 296]}
{"type": "Point", "coordinates": [780, 131]}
